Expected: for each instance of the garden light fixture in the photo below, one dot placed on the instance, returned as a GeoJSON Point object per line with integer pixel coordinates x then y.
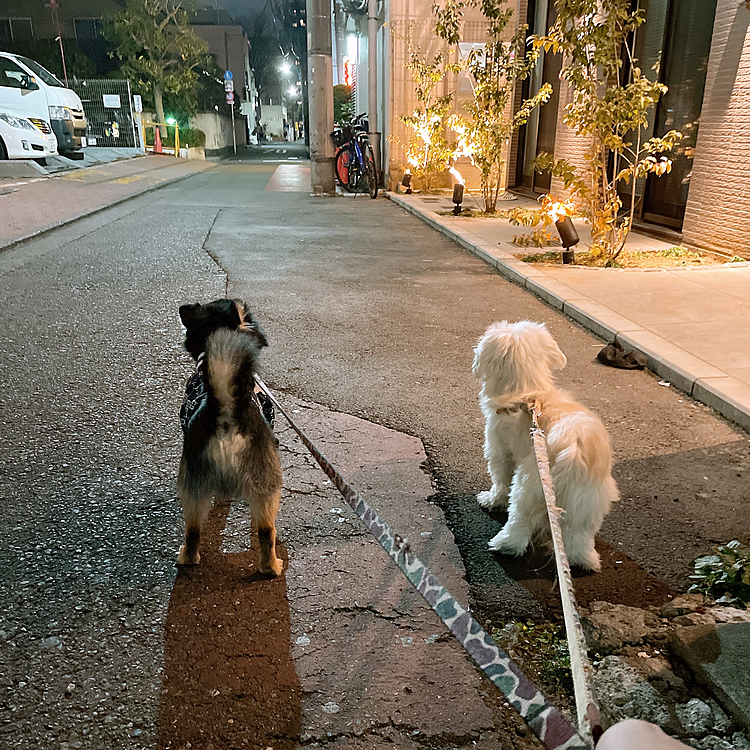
{"type": "Point", "coordinates": [568, 237]}
{"type": "Point", "coordinates": [560, 214]}
{"type": "Point", "coordinates": [458, 191]}
{"type": "Point", "coordinates": [406, 181]}
{"type": "Point", "coordinates": [458, 196]}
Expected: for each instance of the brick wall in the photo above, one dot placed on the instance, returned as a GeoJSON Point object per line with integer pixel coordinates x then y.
{"type": "Point", "coordinates": [717, 216]}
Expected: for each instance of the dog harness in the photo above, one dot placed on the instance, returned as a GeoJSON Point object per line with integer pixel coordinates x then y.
{"type": "Point", "coordinates": [196, 397]}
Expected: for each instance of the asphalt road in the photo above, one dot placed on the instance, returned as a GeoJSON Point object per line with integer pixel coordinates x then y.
{"type": "Point", "coordinates": [369, 312]}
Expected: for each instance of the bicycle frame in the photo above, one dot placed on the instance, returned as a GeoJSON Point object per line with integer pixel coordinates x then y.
{"type": "Point", "coordinates": [354, 161]}
{"type": "Point", "coordinates": [356, 151]}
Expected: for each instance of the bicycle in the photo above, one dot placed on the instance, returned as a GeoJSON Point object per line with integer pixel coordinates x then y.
{"type": "Point", "coordinates": [355, 160]}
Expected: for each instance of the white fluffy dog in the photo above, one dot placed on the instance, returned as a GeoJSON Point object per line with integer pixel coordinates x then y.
{"type": "Point", "coordinates": [515, 364]}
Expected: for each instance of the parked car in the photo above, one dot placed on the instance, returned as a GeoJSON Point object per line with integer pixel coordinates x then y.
{"type": "Point", "coordinates": [25, 137]}
{"type": "Point", "coordinates": [25, 86]}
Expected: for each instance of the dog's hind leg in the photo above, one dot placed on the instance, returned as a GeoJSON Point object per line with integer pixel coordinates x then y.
{"type": "Point", "coordinates": [263, 509]}
{"type": "Point", "coordinates": [195, 512]}
{"type": "Point", "coordinates": [585, 508]}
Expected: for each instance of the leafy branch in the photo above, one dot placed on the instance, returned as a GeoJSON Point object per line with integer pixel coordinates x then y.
{"type": "Point", "coordinates": [610, 108]}
{"type": "Point", "coordinates": [494, 69]}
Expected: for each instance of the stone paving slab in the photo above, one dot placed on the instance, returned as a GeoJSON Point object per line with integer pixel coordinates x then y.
{"type": "Point", "coordinates": [376, 666]}
{"type": "Point", "coordinates": [692, 324]}
{"type": "Point", "coordinates": [719, 656]}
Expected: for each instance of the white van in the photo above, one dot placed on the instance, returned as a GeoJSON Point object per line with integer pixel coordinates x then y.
{"type": "Point", "coordinates": [27, 87]}
{"type": "Point", "coordinates": [23, 138]}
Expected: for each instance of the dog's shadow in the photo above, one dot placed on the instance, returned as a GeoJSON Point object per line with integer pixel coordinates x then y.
{"type": "Point", "coordinates": [229, 679]}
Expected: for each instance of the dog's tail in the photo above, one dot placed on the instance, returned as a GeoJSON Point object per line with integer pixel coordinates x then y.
{"type": "Point", "coordinates": [581, 465]}
{"type": "Point", "coordinates": [581, 449]}
{"type": "Point", "coordinates": [231, 358]}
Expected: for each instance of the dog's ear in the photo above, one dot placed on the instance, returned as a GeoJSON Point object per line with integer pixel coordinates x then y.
{"type": "Point", "coordinates": [555, 357]}
{"type": "Point", "coordinates": [491, 351]}
{"type": "Point", "coordinates": [188, 314]}
{"type": "Point", "coordinates": [249, 324]}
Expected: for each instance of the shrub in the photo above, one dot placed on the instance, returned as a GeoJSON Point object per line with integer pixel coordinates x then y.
{"type": "Point", "coordinates": [610, 107]}
{"type": "Point", "coordinates": [726, 575]}
{"type": "Point", "coordinates": [192, 137]}
{"type": "Point", "coordinates": [428, 151]}
{"type": "Point", "coordinates": [494, 70]}
{"type": "Point", "coordinates": [189, 137]}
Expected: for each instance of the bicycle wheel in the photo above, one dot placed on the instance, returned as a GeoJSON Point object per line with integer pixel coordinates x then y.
{"type": "Point", "coordinates": [341, 167]}
{"type": "Point", "coordinates": [371, 171]}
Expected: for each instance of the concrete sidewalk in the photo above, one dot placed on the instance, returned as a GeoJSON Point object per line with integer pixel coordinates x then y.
{"type": "Point", "coordinates": [32, 206]}
{"type": "Point", "coordinates": [690, 323]}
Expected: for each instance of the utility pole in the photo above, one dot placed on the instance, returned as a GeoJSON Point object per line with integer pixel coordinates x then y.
{"type": "Point", "coordinates": [54, 6]}
{"type": "Point", "coordinates": [372, 79]}
{"type": "Point", "coordinates": [320, 96]}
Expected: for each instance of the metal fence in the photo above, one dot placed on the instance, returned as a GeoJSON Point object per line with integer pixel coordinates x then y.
{"type": "Point", "coordinates": [109, 112]}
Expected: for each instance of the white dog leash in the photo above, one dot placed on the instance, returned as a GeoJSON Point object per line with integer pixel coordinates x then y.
{"type": "Point", "coordinates": [589, 720]}
{"type": "Point", "coordinates": [549, 725]}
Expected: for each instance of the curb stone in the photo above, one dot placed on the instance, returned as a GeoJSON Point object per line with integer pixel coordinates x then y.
{"type": "Point", "coordinates": [654, 674]}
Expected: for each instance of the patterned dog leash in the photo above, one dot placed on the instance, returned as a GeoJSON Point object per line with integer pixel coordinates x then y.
{"type": "Point", "coordinates": [547, 723]}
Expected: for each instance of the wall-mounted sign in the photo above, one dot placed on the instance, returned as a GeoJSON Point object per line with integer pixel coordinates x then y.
{"type": "Point", "coordinates": [111, 101]}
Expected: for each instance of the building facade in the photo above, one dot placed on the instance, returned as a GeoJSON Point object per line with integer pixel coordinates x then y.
{"type": "Point", "coordinates": [700, 49]}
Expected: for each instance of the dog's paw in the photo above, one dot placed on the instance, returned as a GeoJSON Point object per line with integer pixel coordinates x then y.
{"type": "Point", "coordinates": [184, 559]}
{"type": "Point", "coordinates": [591, 562]}
{"type": "Point", "coordinates": [492, 499]}
{"type": "Point", "coordinates": [272, 568]}
{"type": "Point", "coordinates": [506, 544]}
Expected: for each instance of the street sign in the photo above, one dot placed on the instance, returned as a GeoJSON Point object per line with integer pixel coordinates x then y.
{"type": "Point", "coordinates": [229, 85]}
{"type": "Point", "coordinates": [137, 103]}
{"type": "Point", "coordinates": [230, 97]}
{"type": "Point", "coordinates": [228, 75]}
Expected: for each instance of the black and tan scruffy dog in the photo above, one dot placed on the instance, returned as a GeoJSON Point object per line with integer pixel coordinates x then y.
{"type": "Point", "coordinates": [229, 448]}
{"type": "Point", "coordinates": [515, 363]}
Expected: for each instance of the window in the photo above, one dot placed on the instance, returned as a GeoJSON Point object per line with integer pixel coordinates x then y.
{"type": "Point", "coordinates": [43, 73]}
{"type": "Point", "coordinates": [11, 75]}
{"type": "Point", "coordinates": [21, 30]}
{"type": "Point", "coordinates": [5, 33]}
{"type": "Point", "coordinates": [87, 28]}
